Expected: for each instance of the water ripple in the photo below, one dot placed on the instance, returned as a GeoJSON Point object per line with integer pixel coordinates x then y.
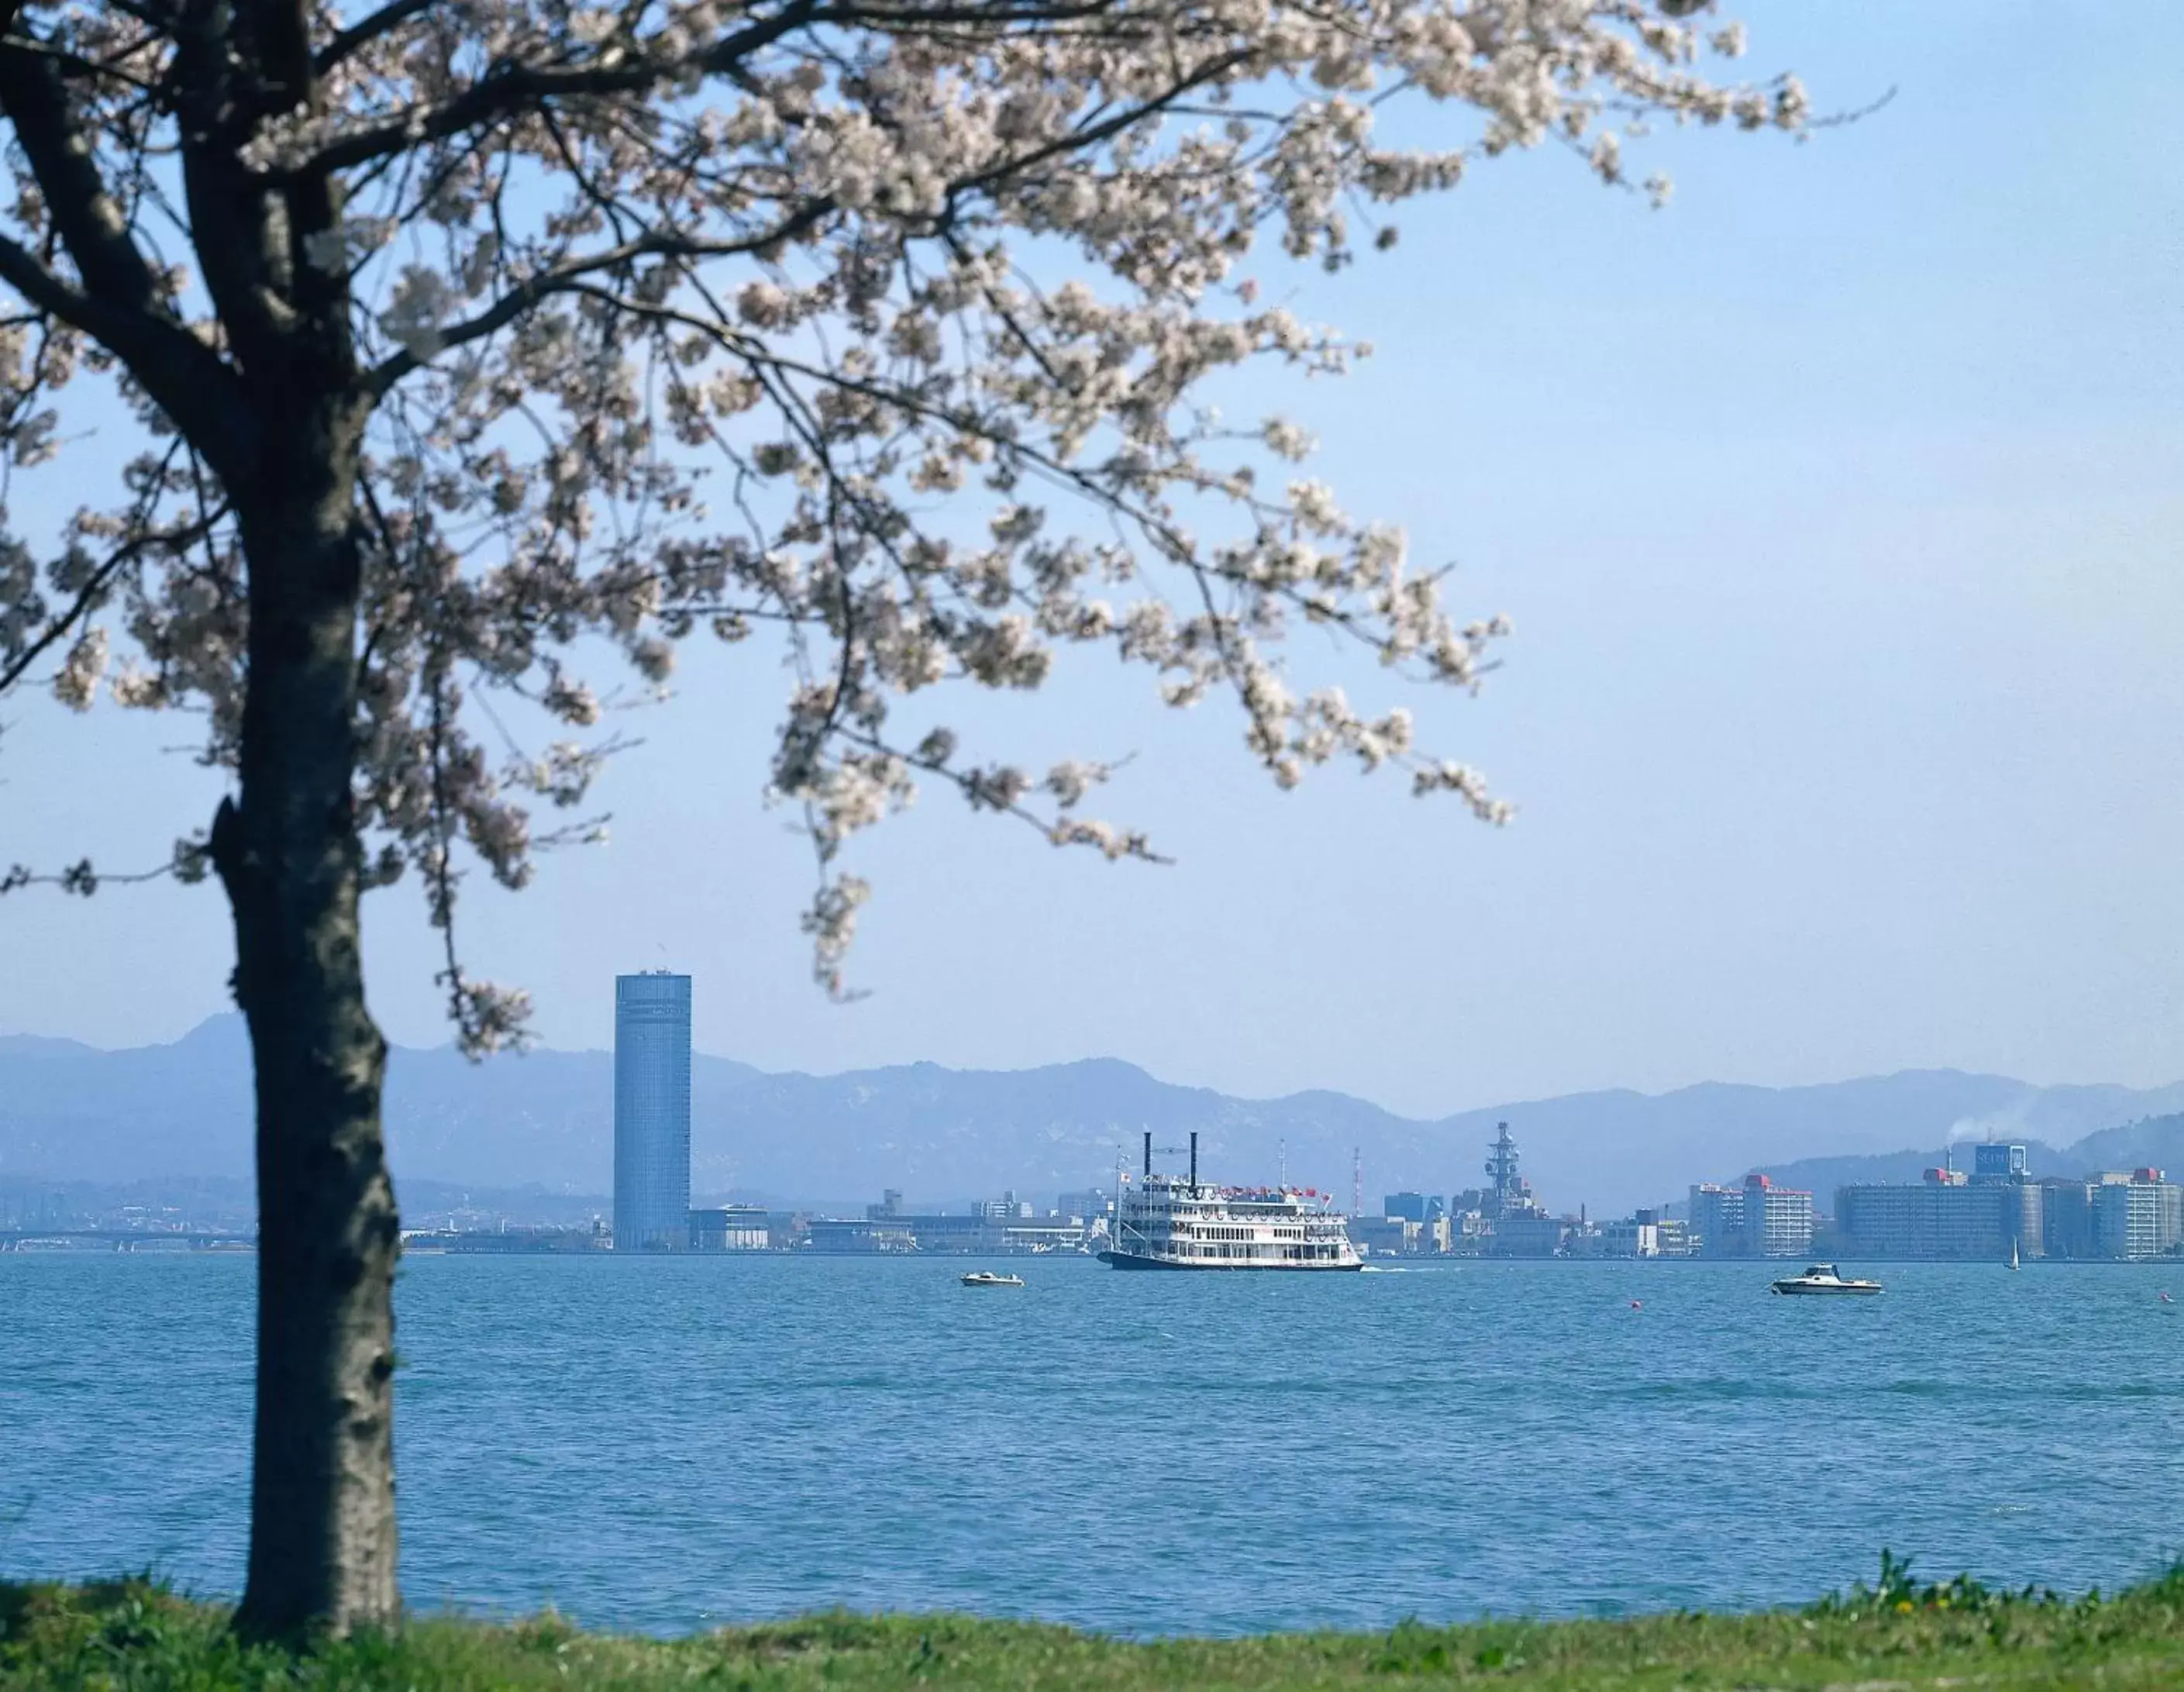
{"type": "Point", "coordinates": [676, 1443]}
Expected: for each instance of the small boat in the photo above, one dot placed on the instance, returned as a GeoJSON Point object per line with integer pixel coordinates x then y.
{"type": "Point", "coordinates": [1822, 1278]}
{"type": "Point", "coordinates": [987, 1278]}
{"type": "Point", "coordinates": [2013, 1254]}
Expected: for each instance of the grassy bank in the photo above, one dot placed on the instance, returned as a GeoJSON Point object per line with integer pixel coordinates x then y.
{"type": "Point", "coordinates": [1899, 1635]}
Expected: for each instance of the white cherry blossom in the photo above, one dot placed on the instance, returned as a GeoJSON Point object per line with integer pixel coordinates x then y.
{"type": "Point", "coordinates": [665, 322]}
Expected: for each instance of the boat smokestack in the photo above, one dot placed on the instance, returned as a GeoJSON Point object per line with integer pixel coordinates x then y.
{"type": "Point", "coordinates": [1194, 1160]}
{"type": "Point", "coordinates": [1149, 1154]}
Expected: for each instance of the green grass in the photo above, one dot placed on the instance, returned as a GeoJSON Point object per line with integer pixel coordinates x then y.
{"type": "Point", "coordinates": [1899, 1634]}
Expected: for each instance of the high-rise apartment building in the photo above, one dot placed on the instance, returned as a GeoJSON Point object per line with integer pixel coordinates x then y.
{"type": "Point", "coordinates": [2141, 1218]}
{"type": "Point", "coordinates": [1717, 1218]}
{"type": "Point", "coordinates": [652, 1112]}
{"type": "Point", "coordinates": [1778, 1221]}
{"type": "Point", "coordinates": [2066, 1217]}
{"type": "Point", "coordinates": [1944, 1216]}
{"type": "Point", "coordinates": [1757, 1219]}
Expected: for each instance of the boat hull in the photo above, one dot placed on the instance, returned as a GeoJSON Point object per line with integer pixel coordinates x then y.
{"type": "Point", "coordinates": [1790, 1289]}
{"type": "Point", "coordinates": [1125, 1260]}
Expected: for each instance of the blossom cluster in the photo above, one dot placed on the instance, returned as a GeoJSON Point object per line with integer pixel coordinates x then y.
{"type": "Point", "coordinates": [879, 328]}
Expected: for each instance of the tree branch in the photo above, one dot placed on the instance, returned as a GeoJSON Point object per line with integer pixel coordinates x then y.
{"type": "Point", "coordinates": [366, 30]}
{"type": "Point", "coordinates": [80, 879]}
{"type": "Point", "coordinates": [120, 305]}
{"type": "Point", "coordinates": [233, 62]}
{"type": "Point", "coordinates": [516, 87]}
{"type": "Point", "coordinates": [13, 672]}
{"type": "Point", "coordinates": [563, 277]}
{"type": "Point", "coordinates": [94, 590]}
{"type": "Point", "coordinates": [84, 214]}
{"type": "Point", "coordinates": [20, 269]}
{"type": "Point", "coordinates": [566, 276]}
{"type": "Point", "coordinates": [184, 376]}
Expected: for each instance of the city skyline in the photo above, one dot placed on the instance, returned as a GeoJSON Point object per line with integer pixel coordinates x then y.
{"type": "Point", "coordinates": [181, 1109]}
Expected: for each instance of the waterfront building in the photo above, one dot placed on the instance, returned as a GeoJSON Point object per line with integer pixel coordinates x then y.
{"type": "Point", "coordinates": [969, 1231]}
{"type": "Point", "coordinates": [1046, 1235]}
{"type": "Point", "coordinates": [1757, 1219]}
{"type": "Point", "coordinates": [986, 1230]}
{"type": "Point", "coordinates": [1537, 1235]}
{"type": "Point", "coordinates": [733, 1228]}
{"type": "Point", "coordinates": [834, 1234]}
{"type": "Point", "coordinates": [1998, 1162]}
{"type": "Point", "coordinates": [1717, 1220]}
{"type": "Point", "coordinates": [1647, 1233]}
{"type": "Point", "coordinates": [652, 1112]}
{"type": "Point", "coordinates": [1942, 1216]}
{"type": "Point", "coordinates": [1385, 1236]}
{"type": "Point", "coordinates": [2141, 1218]}
{"type": "Point", "coordinates": [2028, 1223]}
{"type": "Point", "coordinates": [1778, 1221]}
{"type": "Point", "coordinates": [1410, 1207]}
{"type": "Point", "coordinates": [2066, 1218]}
{"type": "Point", "coordinates": [505, 1241]}
{"type": "Point", "coordinates": [1619, 1237]}
{"type": "Point", "coordinates": [1087, 1205]}
{"type": "Point", "coordinates": [1673, 1238]}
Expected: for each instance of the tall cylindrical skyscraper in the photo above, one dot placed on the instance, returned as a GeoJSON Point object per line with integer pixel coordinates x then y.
{"type": "Point", "coordinates": [652, 1112]}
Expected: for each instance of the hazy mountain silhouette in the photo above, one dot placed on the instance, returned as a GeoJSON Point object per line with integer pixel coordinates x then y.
{"type": "Point", "coordinates": [2155, 1140]}
{"type": "Point", "coordinates": [70, 1112]}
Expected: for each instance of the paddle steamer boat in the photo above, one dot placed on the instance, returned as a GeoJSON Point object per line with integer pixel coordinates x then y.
{"type": "Point", "coordinates": [1164, 1222]}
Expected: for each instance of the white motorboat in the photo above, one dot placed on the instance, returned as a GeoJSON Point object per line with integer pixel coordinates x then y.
{"type": "Point", "coordinates": [987, 1278]}
{"type": "Point", "coordinates": [1824, 1277]}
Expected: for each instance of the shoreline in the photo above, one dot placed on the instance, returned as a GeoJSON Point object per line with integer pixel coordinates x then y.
{"type": "Point", "coordinates": [1897, 1633]}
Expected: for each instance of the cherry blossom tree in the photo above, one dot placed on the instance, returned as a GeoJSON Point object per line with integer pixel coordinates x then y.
{"type": "Point", "coordinates": [469, 346]}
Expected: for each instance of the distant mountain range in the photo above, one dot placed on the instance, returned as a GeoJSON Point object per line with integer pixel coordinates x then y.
{"type": "Point", "coordinates": [69, 1111]}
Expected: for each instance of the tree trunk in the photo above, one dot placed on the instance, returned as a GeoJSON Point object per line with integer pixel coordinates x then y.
{"type": "Point", "coordinates": [322, 1529]}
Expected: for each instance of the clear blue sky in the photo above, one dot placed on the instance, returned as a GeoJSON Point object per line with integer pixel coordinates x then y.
{"type": "Point", "coordinates": [1839, 508]}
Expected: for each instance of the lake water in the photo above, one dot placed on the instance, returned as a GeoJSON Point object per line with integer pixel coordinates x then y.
{"type": "Point", "coordinates": [672, 1443]}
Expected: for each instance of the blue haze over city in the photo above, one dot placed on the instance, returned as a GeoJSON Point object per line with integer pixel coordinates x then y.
{"type": "Point", "coordinates": [1838, 508]}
